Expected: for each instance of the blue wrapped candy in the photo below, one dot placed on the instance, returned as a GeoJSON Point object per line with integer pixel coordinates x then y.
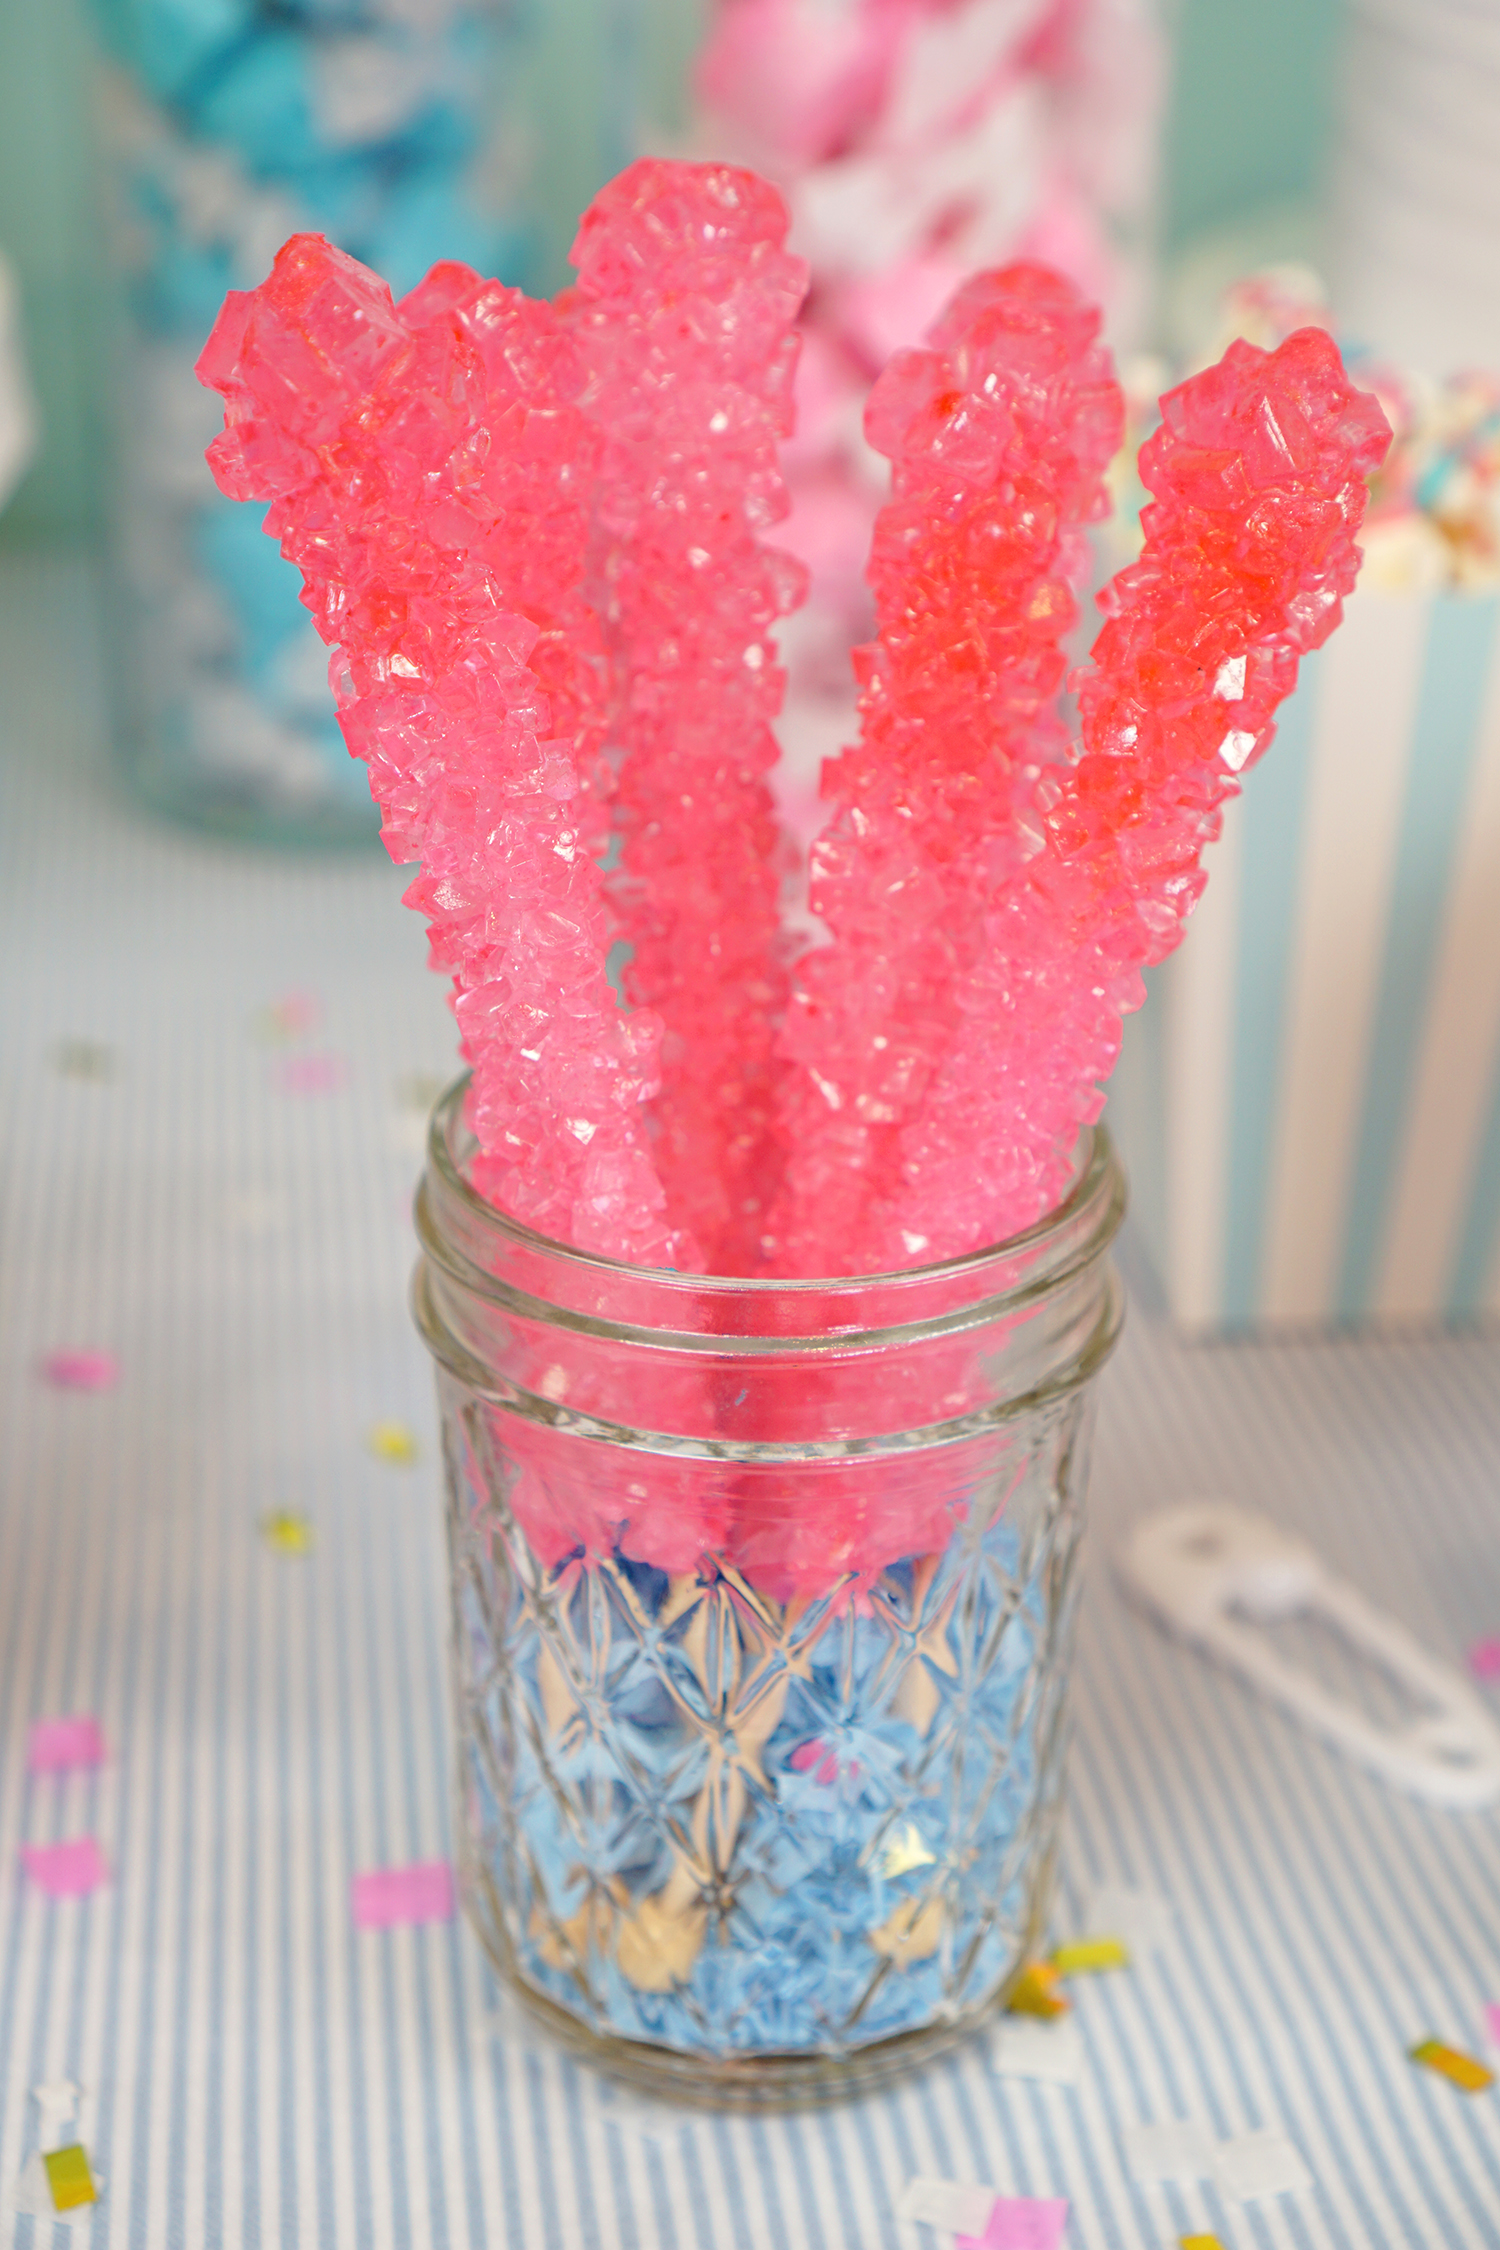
{"type": "Point", "coordinates": [238, 123]}
{"type": "Point", "coordinates": [713, 1849]}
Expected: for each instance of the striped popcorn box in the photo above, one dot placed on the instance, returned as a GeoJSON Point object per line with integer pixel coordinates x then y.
{"type": "Point", "coordinates": [1309, 1103]}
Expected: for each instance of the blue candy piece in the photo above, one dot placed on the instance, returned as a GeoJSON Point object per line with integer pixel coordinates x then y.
{"type": "Point", "coordinates": [332, 15]}
{"type": "Point", "coordinates": [264, 104]}
{"type": "Point", "coordinates": [183, 288]}
{"type": "Point", "coordinates": [427, 217]}
{"type": "Point", "coordinates": [347, 782]}
{"type": "Point", "coordinates": [596, 1770]}
{"type": "Point", "coordinates": [341, 195]}
{"type": "Point", "coordinates": [173, 44]}
{"type": "Point", "coordinates": [261, 104]}
{"type": "Point", "coordinates": [261, 589]}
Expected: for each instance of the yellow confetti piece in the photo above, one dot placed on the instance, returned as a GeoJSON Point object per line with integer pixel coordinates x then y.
{"type": "Point", "coordinates": [393, 1441]}
{"type": "Point", "coordinates": [1087, 1956]}
{"type": "Point", "coordinates": [1199, 2242]}
{"type": "Point", "coordinates": [1035, 1992]}
{"type": "Point", "coordinates": [69, 2177]}
{"type": "Point", "coordinates": [904, 1851]}
{"type": "Point", "coordinates": [286, 1533]}
{"type": "Point", "coordinates": [1461, 2069]}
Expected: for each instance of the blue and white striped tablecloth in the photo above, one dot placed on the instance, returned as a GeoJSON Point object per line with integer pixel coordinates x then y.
{"type": "Point", "coordinates": [257, 2071]}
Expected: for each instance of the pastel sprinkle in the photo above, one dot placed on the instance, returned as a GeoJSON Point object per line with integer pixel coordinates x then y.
{"type": "Point", "coordinates": [1492, 2022]}
{"type": "Point", "coordinates": [1143, 1919]}
{"type": "Point", "coordinates": [81, 1370]}
{"type": "Point", "coordinates": [293, 1016]}
{"type": "Point", "coordinates": [1174, 2148]}
{"type": "Point", "coordinates": [68, 1870]}
{"type": "Point", "coordinates": [1484, 1659]}
{"type": "Point", "coordinates": [313, 1074]}
{"type": "Point", "coordinates": [1021, 2222]}
{"type": "Point", "coordinates": [84, 1058]}
{"type": "Point", "coordinates": [1035, 1992]}
{"type": "Point", "coordinates": [952, 2205]}
{"type": "Point", "coordinates": [286, 1533]}
{"type": "Point", "coordinates": [1260, 2163]}
{"type": "Point", "coordinates": [1051, 2053]}
{"type": "Point", "coordinates": [53, 1745]}
{"type": "Point", "coordinates": [1199, 2242]}
{"type": "Point", "coordinates": [904, 1851]}
{"type": "Point", "coordinates": [1088, 1956]}
{"type": "Point", "coordinates": [1459, 2069]}
{"type": "Point", "coordinates": [69, 2177]}
{"type": "Point", "coordinates": [393, 1441]}
{"type": "Point", "coordinates": [390, 1895]}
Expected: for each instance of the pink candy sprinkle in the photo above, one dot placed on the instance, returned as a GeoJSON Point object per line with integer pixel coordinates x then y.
{"type": "Point", "coordinates": [294, 1015]}
{"type": "Point", "coordinates": [1484, 1659]}
{"type": "Point", "coordinates": [81, 1371]}
{"type": "Point", "coordinates": [66, 1870]}
{"type": "Point", "coordinates": [1021, 2222]}
{"type": "Point", "coordinates": [390, 1895]}
{"type": "Point", "coordinates": [816, 1758]}
{"type": "Point", "coordinates": [313, 1074]}
{"type": "Point", "coordinates": [56, 1744]}
{"type": "Point", "coordinates": [1492, 2022]}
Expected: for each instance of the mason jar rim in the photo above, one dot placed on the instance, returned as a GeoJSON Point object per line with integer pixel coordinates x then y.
{"type": "Point", "coordinates": [1096, 1178]}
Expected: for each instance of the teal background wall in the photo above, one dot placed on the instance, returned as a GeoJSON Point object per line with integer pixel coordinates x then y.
{"type": "Point", "coordinates": [49, 231]}
{"type": "Point", "coordinates": [1247, 127]}
{"type": "Point", "coordinates": [1252, 104]}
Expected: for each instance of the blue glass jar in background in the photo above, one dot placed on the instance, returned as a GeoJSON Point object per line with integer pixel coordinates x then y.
{"type": "Point", "coordinates": [229, 125]}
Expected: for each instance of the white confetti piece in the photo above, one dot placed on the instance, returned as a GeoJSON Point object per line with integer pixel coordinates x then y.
{"type": "Point", "coordinates": [950, 2204]}
{"type": "Point", "coordinates": [1174, 2150]}
{"type": "Point", "coordinates": [1143, 1919]}
{"type": "Point", "coordinates": [1022, 2047]}
{"type": "Point", "coordinates": [1255, 2164]}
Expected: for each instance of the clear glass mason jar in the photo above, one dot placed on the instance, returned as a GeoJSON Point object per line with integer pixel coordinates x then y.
{"type": "Point", "coordinates": [763, 1596]}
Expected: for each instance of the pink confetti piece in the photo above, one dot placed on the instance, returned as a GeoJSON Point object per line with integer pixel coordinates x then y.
{"type": "Point", "coordinates": [1021, 2222]}
{"type": "Point", "coordinates": [1484, 1659]}
{"type": "Point", "coordinates": [66, 1870]}
{"type": "Point", "coordinates": [389, 1895]}
{"type": "Point", "coordinates": [313, 1074]}
{"type": "Point", "coordinates": [1492, 2022]}
{"type": "Point", "coordinates": [53, 1745]}
{"type": "Point", "coordinates": [81, 1370]}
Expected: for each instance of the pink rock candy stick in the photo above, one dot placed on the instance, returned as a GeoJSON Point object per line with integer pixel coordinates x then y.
{"type": "Point", "coordinates": [999, 436]}
{"type": "Point", "coordinates": [429, 470]}
{"type": "Point", "coordinates": [534, 534]}
{"type": "Point", "coordinates": [1258, 472]}
{"type": "Point", "coordinates": [684, 310]}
